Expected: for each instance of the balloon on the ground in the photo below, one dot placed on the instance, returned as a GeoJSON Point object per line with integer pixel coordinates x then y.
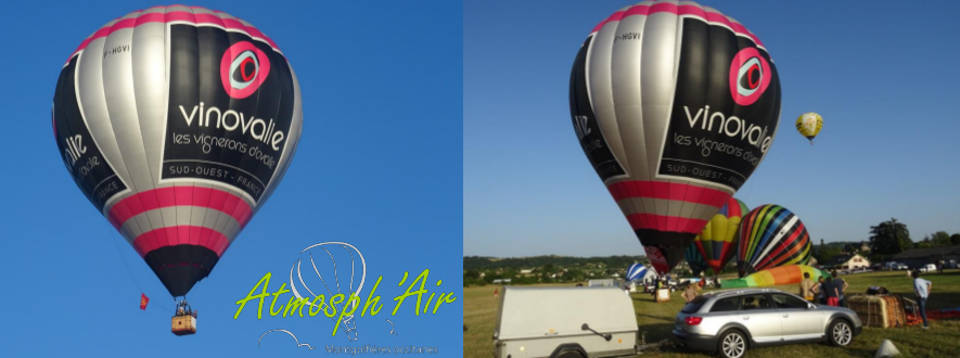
{"type": "Point", "coordinates": [177, 123]}
{"type": "Point", "coordinates": [770, 236]}
{"type": "Point", "coordinates": [694, 259]}
{"type": "Point", "coordinates": [636, 272]}
{"type": "Point", "coordinates": [718, 241]}
{"type": "Point", "coordinates": [782, 275]}
{"type": "Point", "coordinates": [674, 105]}
{"type": "Point", "coordinates": [809, 125]}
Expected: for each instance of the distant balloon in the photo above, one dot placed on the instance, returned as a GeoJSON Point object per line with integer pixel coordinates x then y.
{"type": "Point", "coordinates": [636, 272]}
{"type": "Point", "coordinates": [809, 124]}
{"type": "Point", "coordinates": [694, 259]}
{"type": "Point", "coordinates": [772, 236]}
{"type": "Point", "coordinates": [718, 240]}
{"type": "Point", "coordinates": [675, 105]}
{"type": "Point", "coordinates": [782, 275]}
{"type": "Point", "coordinates": [177, 123]}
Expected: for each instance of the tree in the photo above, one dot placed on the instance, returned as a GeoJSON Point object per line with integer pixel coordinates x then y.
{"type": "Point", "coordinates": [940, 238]}
{"type": "Point", "coordinates": [955, 239]}
{"type": "Point", "coordinates": [890, 237]}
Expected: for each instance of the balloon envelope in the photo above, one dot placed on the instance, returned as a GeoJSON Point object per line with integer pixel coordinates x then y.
{"type": "Point", "coordinates": [694, 259]}
{"type": "Point", "coordinates": [718, 241]}
{"type": "Point", "coordinates": [771, 236]}
{"type": "Point", "coordinates": [177, 123]}
{"type": "Point", "coordinates": [674, 105]}
{"type": "Point", "coordinates": [636, 272]}
{"type": "Point", "coordinates": [782, 275]}
{"type": "Point", "coordinates": [809, 124]}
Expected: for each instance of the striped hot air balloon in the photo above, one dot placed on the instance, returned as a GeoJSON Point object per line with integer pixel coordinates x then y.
{"type": "Point", "coordinates": [636, 272]}
{"type": "Point", "coordinates": [771, 236]}
{"type": "Point", "coordinates": [675, 105]}
{"type": "Point", "coordinates": [177, 123]}
{"type": "Point", "coordinates": [718, 240]}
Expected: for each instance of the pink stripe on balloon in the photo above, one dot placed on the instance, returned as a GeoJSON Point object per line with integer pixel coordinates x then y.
{"type": "Point", "coordinates": [680, 10]}
{"type": "Point", "coordinates": [180, 196]}
{"type": "Point", "coordinates": [182, 16]}
{"type": "Point", "coordinates": [666, 223]}
{"type": "Point", "coordinates": [667, 190]}
{"type": "Point", "coordinates": [181, 235]}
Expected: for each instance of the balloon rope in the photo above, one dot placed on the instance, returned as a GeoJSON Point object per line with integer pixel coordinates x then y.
{"type": "Point", "coordinates": [315, 270]}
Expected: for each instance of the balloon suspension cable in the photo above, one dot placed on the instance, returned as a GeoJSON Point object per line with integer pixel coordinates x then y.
{"type": "Point", "coordinates": [129, 271]}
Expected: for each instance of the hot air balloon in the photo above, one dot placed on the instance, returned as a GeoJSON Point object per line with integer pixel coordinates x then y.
{"type": "Point", "coordinates": [177, 123]}
{"type": "Point", "coordinates": [636, 272]}
{"type": "Point", "coordinates": [809, 124]}
{"type": "Point", "coordinates": [771, 236]}
{"type": "Point", "coordinates": [717, 241]}
{"type": "Point", "coordinates": [694, 259]}
{"type": "Point", "coordinates": [674, 105]}
{"type": "Point", "coordinates": [781, 275]}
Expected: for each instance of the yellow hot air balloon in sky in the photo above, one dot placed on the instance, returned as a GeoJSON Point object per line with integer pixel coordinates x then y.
{"type": "Point", "coordinates": [809, 124]}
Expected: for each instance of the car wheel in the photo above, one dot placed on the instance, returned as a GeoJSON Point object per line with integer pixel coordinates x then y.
{"type": "Point", "coordinates": [733, 344]}
{"type": "Point", "coordinates": [840, 333]}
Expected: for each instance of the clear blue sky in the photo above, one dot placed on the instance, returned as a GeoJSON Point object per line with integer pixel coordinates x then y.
{"type": "Point", "coordinates": [883, 74]}
{"type": "Point", "coordinates": [379, 165]}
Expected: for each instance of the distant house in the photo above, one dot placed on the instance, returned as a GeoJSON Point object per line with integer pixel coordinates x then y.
{"type": "Point", "coordinates": [501, 280]}
{"type": "Point", "coordinates": [918, 257]}
{"type": "Point", "coordinates": [848, 262]}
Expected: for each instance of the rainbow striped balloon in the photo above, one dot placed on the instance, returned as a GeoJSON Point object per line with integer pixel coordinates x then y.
{"type": "Point", "coordinates": [783, 275]}
{"type": "Point", "coordinates": [771, 236]}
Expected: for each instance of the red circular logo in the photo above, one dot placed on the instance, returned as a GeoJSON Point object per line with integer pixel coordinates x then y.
{"type": "Point", "coordinates": [243, 68]}
{"type": "Point", "coordinates": [749, 76]}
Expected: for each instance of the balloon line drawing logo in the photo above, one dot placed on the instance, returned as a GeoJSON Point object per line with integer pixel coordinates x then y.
{"type": "Point", "coordinates": [243, 68]}
{"type": "Point", "coordinates": [749, 76]}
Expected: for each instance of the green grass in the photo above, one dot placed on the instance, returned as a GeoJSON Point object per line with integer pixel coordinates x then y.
{"type": "Point", "coordinates": [941, 340]}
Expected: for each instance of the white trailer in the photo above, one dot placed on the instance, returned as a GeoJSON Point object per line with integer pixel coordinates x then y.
{"type": "Point", "coordinates": [565, 322]}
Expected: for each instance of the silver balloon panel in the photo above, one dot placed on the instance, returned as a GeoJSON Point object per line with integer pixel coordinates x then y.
{"type": "Point", "coordinates": [177, 123]}
{"type": "Point", "coordinates": [674, 105]}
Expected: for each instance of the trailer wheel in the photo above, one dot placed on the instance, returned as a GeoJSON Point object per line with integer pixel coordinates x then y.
{"type": "Point", "coordinates": [569, 350]}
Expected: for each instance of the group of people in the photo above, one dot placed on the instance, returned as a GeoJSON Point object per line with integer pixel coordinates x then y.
{"type": "Point", "coordinates": [830, 291]}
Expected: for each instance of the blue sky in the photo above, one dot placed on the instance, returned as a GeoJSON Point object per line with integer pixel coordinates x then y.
{"type": "Point", "coordinates": [378, 165]}
{"type": "Point", "coordinates": [882, 73]}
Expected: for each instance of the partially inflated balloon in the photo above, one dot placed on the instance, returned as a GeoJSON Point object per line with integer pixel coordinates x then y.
{"type": "Point", "coordinates": [771, 236]}
{"type": "Point", "coordinates": [809, 125]}
{"type": "Point", "coordinates": [177, 123]}
{"type": "Point", "coordinates": [717, 241]}
{"type": "Point", "coordinates": [694, 259]}
{"type": "Point", "coordinates": [782, 275]}
{"type": "Point", "coordinates": [674, 105]}
{"type": "Point", "coordinates": [636, 272]}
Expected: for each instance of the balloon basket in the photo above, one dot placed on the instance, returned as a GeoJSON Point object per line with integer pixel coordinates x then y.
{"type": "Point", "coordinates": [663, 295]}
{"type": "Point", "coordinates": [183, 325]}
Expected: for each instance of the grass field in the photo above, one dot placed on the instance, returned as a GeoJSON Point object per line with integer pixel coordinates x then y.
{"type": "Point", "coordinates": [941, 340]}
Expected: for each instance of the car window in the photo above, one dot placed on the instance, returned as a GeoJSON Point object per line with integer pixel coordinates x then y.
{"type": "Point", "coordinates": [787, 301]}
{"type": "Point", "coordinates": [726, 304]}
{"type": "Point", "coordinates": [755, 302]}
{"type": "Point", "coordinates": [694, 306]}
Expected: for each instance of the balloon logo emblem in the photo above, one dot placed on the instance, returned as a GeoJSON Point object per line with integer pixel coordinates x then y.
{"type": "Point", "coordinates": [243, 68]}
{"type": "Point", "coordinates": [748, 76]}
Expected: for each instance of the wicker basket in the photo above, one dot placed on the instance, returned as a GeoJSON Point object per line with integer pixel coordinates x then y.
{"type": "Point", "coordinates": [878, 310]}
{"type": "Point", "coordinates": [183, 325]}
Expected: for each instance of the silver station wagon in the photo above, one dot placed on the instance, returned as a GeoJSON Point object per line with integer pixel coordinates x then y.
{"type": "Point", "coordinates": [729, 322]}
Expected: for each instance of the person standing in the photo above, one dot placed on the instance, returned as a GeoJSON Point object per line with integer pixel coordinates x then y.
{"type": "Point", "coordinates": [922, 288]}
{"type": "Point", "coordinates": [841, 286]}
{"type": "Point", "coordinates": [830, 291]}
{"type": "Point", "coordinates": [806, 287]}
{"type": "Point", "coordinates": [690, 292]}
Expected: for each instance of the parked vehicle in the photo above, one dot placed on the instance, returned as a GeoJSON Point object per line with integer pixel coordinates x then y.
{"type": "Point", "coordinates": [565, 322]}
{"type": "Point", "coordinates": [928, 268]}
{"type": "Point", "coordinates": [729, 322]}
